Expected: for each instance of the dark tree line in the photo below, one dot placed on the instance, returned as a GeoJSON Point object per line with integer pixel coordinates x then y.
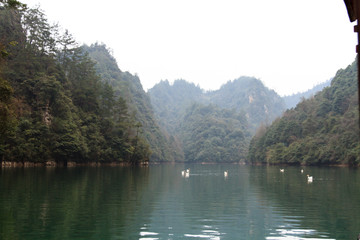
{"type": "Point", "coordinates": [54, 106]}
{"type": "Point", "coordinates": [322, 130]}
{"type": "Point", "coordinates": [63, 102]}
{"type": "Point", "coordinates": [212, 134]}
{"type": "Point", "coordinates": [163, 148]}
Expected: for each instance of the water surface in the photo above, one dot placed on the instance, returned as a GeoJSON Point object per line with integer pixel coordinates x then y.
{"type": "Point", "coordinates": [157, 202]}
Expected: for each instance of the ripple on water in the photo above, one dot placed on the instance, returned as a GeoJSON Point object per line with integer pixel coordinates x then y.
{"type": "Point", "coordinates": [148, 236]}
{"type": "Point", "coordinates": [297, 234]}
{"type": "Point", "coordinates": [208, 232]}
{"type": "Point", "coordinates": [211, 237]}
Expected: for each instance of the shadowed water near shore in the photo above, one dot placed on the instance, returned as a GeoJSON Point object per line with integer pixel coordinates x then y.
{"type": "Point", "coordinates": [157, 202]}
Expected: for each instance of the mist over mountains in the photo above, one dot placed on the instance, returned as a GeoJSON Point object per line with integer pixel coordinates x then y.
{"type": "Point", "coordinates": [62, 102]}
{"type": "Point", "coordinates": [245, 95]}
{"type": "Point", "coordinates": [292, 100]}
{"type": "Point", "coordinates": [215, 125]}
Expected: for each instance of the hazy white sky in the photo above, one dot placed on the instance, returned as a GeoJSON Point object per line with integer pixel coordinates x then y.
{"type": "Point", "coordinates": [290, 45]}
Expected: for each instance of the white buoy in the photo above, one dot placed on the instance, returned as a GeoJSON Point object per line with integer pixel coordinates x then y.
{"type": "Point", "coordinates": [226, 173]}
{"type": "Point", "coordinates": [282, 170]}
{"type": "Point", "coordinates": [302, 170]}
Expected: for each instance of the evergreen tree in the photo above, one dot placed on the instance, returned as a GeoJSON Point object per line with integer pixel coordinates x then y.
{"type": "Point", "coordinates": [53, 104]}
{"type": "Point", "coordinates": [322, 130]}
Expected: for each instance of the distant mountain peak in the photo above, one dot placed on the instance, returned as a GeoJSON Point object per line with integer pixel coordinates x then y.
{"type": "Point", "coordinates": [292, 100]}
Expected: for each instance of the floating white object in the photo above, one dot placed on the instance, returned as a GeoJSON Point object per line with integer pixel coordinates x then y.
{"type": "Point", "coordinates": [282, 170]}
{"type": "Point", "coordinates": [185, 173]}
{"type": "Point", "coordinates": [226, 173]}
{"type": "Point", "coordinates": [302, 170]}
{"type": "Point", "coordinates": [309, 178]}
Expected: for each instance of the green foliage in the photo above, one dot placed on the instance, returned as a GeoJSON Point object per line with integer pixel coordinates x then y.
{"type": "Point", "coordinates": [246, 94]}
{"type": "Point", "coordinates": [12, 4]}
{"type": "Point", "coordinates": [292, 100]}
{"type": "Point", "coordinates": [212, 134]}
{"type": "Point", "coordinates": [5, 106]}
{"type": "Point", "coordinates": [218, 127]}
{"type": "Point", "coordinates": [320, 130]}
{"type": "Point", "coordinates": [249, 95]}
{"type": "Point", "coordinates": [62, 102]}
{"type": "Point", "coordinates": [171, 101]}
{"type": "Point", "coordinates": [53, 104]}
{"type": "Point", "coordinates": [127, 86]}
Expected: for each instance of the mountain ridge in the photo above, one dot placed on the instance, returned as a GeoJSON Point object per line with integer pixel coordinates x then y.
{"type": "Point", "coordinates": [292, 100]}
{"type": "Point", "coordinates": [321, 130]}
{"type": "Point", "coordinates": [245, 101]}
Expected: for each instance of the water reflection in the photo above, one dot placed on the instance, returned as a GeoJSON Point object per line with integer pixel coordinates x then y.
{"type": "Point", "coordinates": [325, 208]}
{"type": "Point", "coordinates": [297, 234]}
{"type": "Point", "coordinates": [159, 203]}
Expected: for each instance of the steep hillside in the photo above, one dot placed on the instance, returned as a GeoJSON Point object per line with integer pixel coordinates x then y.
{"type": "Point", "coordinates": [292, 100]}
{"type": "Point", "coordinates": [171, 101]}
{"type": "Point", "coordinates": [249, 95]}
{"type": "Point", "coordinates": [54, 107]}
{"type": "Point", "coordinates": [129, 86]}
{"type": "Point", "coordinates": [213, 126]}
{"type": "Point", "coordinates": [212, 134]}
{"type": "Point", "coordinates": [320, 130]}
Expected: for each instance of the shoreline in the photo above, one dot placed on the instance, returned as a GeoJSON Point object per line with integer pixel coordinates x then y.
{"type": "Point", "coordinates": [9, 164]}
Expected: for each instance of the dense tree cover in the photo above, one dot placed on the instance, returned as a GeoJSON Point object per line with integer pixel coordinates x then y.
{"type": "Point", "coordinates": [245, 94]}
{"type": "Point", "coordinates": [249, 95]}
{"type": "Point", "coordinates": [53, 105]}
{"type": "Point", "coordinates": [212, 134]}
{"type": "Point", "coordinates": [232, 112]}
{"type": "Point", "coordinates": [320, 130]}
{"type": "Point", "coordinates": [62, 102]}
{"type": "Point", "coordinates": [171, 101]}
{"type": "Point", "coordinates": [292, 100]}
{"type": "Point", "coordinates": [162, 146]}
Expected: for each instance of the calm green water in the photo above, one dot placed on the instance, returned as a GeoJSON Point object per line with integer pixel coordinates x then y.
{"type": "Point", "coordinates": [158, 203]}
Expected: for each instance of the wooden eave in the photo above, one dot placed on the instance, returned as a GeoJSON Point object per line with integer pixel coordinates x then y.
{"type": "Point", "coordinates": [351, 9]}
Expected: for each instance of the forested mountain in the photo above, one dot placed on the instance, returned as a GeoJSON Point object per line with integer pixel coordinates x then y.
{"type": "Point", "coordinates": [61, 102]}
{"type": "Point", "coordinates": [292, 100]}
{"type": "Point", "coordinates": [214, 126]}
{"type": "Point", "coordinates": [129, 87]}
{"type": "Point", "coordinates": [249, 95]}
{"type": "Point", "coordinates": [245, 94]}
{"type": "Point", "coordinates": [53, 105]}
{"type": "Point", "coordinates": [213, 134]}
{"type": "Point", "coordinates": [171, 101]}
{"type": "Point", "coordinates": [318, 131]}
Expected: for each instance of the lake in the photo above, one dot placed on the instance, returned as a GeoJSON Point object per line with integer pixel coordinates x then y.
{"type": "Point", "coordinates": [157, 202]}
